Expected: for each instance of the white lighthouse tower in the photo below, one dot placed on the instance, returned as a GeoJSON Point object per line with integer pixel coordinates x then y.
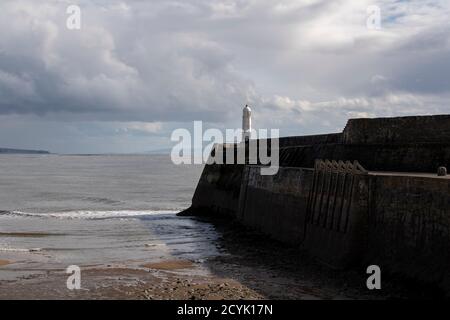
{"type": "Point", "coordinates": [246, 123]}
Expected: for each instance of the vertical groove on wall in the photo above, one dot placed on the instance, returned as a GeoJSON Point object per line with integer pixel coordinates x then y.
{"type": "Point", "coordinates": [330, 198]}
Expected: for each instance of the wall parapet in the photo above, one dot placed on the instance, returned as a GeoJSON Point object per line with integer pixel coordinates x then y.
{"type": "Point", "coordinates": [398, 130]}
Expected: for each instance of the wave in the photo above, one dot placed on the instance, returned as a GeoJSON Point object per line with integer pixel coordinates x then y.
{"type": "Point", "coordinates": [92, 214]}
{"type": "Point", "coordinates": [9, 249]}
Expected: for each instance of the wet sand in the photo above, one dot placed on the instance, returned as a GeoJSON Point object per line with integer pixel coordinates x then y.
{"type": "Point", "coordinates": [28, 234]}
{"type": "Point", "coordinates": [4, 263]}
{"type": "Point", "coordinates": [249, 267]}
{"type": "Point", "coordinates": [170, 265]}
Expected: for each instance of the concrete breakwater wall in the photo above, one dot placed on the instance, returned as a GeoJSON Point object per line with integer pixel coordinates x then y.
{"type": "Point", "coordinates": [409, 226]}
{"type": "Point", "coordinates": [419, 157]}
{"type": "Point", "coordinates": [340, 213]}
{"type": "Point", "coordinates": [217, 191]}
{"type": "Point", "coordinates": [276, 205]}
{"type": "Point", "coordinates": [399, 130]}
{"type": "Point", "coordinates": [317, 210]}
{"type": "Point", "coordinates": [401, 223]}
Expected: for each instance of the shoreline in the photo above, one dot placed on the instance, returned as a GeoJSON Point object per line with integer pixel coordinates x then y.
{"type": "Point", "coordinates": [248, 266]}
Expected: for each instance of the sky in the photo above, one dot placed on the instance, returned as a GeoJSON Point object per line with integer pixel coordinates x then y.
{"type": "Point", "coordinates": [137, 70]}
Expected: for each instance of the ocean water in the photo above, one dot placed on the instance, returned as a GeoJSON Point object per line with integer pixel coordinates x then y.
{"type": "Point", "coordinates": [58, 210]}
{"type": "Point", "coordinates": [57, 184]}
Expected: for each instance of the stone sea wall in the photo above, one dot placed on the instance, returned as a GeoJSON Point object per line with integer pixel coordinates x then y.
{"type": "Point", "coordinates": [276, 205]}
{"type": "Point", "coordinates": [399, 221]}
{"type": "Point", "coordinates": [400, 130]}
{"type": "Point", "coordinates": [409, 227]}
{"type": "Point", "coordinates": [420, 157]}
{"type": "Point", "coordinates": [218, 191]}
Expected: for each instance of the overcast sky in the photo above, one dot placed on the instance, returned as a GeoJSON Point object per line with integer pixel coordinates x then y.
{"type": "Point", "coordinates": [139, 69]}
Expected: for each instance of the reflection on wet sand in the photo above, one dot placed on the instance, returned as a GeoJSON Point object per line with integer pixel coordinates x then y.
{"type": "Point", "coordinates": [4, 263]}
{"type": "Point", "coordinates": [169, 265]}
{"type": "Point", "coordinates": [28, 234]}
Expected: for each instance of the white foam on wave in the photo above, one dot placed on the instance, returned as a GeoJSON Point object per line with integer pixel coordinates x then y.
{"type": "Point", "coordinates": [6, 248]}
{"type": "Point", "coordinates": [94, 214]}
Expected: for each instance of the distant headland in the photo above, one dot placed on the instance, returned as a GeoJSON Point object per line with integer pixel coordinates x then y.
{"type": "Point", "coordinates": [22, 151]}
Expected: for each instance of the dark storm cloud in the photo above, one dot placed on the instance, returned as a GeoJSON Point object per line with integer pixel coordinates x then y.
{"type": "Point", "coordinates": [109, 68]}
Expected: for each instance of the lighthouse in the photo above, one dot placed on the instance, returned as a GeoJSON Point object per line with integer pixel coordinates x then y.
{"type": "Point", "coordinates": [246, 123]}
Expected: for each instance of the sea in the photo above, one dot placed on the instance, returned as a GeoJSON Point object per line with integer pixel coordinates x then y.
{"type": "Point", "coordinates": [62, 210]}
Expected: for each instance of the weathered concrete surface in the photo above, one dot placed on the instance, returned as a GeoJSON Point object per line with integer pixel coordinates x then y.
{"type": "Point", "coordinates": [309, 140]}
{"type": "Point", "coordinates": [399, 130]}
{"type": "Point", "coordinates": [425, 157]}
{"type": "Point", "coordinates": [276, 205]}
{"type": "Point", "coordinates": [217, 191]}
{"type": "Point", "coordinates": [336, 227]}
{"type": "Point", "coordinates": [400, 222]}
{"type": "Point", "coordinates": [409, 221]}
{"type": "Point", "coordinates": [409, 144]}
{"type": "Point", "coordinates": [281, 207]}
